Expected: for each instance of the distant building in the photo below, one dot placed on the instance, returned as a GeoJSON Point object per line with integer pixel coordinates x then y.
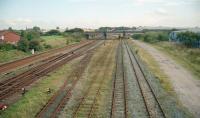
{"type": "Point", "coordinates": [9, 37]}
{"type": "Point", "coordinates": [173, 35]}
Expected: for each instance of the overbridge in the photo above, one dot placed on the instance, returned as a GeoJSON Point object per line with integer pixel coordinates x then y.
{"type": "Point", "coordinates": [109, 35]}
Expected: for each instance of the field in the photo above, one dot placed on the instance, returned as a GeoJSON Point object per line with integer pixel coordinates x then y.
{"type": "Point", "coordinates": [54, 41]}
{"type": "Point", "coordinates": [59, 41]}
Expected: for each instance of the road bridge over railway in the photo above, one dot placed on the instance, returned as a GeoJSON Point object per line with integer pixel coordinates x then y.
{"type": "Point", "coordinates": [110, 35]}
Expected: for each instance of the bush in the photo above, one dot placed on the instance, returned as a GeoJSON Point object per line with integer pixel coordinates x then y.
{"type": "Point", "coordinates": [30, 34]}
{"type": "Point", "coordinates": [75, 30]}
{"type": "Point", "coordinates": [23, 45]}
{"type": "Point", "coordinates": [35, 44]}
{"type": "Point", "coordinates": [188, 38]}
{"type": "Point", "coordinates": [53, 32]}
{"type": "Point", "coordinates": [46, 46]}
{"type": "Point", "coordinates": [137, 36]}
{"type": "Point", "coordinates": [7, 46]}
{"type": "Point", "coordinates": [152, 36]}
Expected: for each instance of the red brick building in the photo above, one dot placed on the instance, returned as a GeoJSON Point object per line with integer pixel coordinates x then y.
{"type": "Point", "coordinates": [9, 37]}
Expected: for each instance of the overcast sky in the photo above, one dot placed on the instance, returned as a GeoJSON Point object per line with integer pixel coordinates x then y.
{"type": "Point", "coordinates": [96, 13]}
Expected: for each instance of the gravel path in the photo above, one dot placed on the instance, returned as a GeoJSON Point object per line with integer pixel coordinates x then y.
{"type": "Point", "coordinates": [186, 87]}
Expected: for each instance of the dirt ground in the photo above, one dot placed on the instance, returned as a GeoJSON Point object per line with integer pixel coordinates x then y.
{"type": "Point", "coordinates": [184, 83]}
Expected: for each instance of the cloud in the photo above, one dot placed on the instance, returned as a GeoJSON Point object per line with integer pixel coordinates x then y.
{"type": "Point", "coordinates": [160, 11]}
{"type": "Point", "coordinates": [143, 2]}
{"type": "Point", "coordinates": [13, 22]}
{"type": "Point", "coordinates": [167, 2]}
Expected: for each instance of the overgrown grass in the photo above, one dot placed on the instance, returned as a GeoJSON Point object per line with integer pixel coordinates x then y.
{"type": "Point", "coordinates": [152, 36]}
{"type": "Point", "coordinates": [103, 60]}
{"type": "Point", "coordinates": [6, 56]}
{"type": "Point", "coordinates": [54, 41]}
{"type": "Point", "coordinates": [188, 57]}
{"type": "Point", "coordinates": [60, 40]}
{"type": "Point", "coordinates": [153, 67]}
{"type": "Point", "coordinates": [36, 97]}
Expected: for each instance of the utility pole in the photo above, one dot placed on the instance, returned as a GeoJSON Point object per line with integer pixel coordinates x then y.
{"type": "Point", "coordinates": [105, 35]}
{"type": "Point", "coordinates": [124, 34]}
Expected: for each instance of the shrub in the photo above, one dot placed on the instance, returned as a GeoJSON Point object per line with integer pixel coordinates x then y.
{"type": "Point", "coordinates": [7, 46]}
{"type": "Point", "coordinates": [188, 38]}
{"type": "Point", "coordinates": [75, 30]}
{"type": "Point", "coordinates": [23, 45]}
{"type": "Point", "coordinates": [152, 36]}
{"type": "Point", "coordinates": [30, 34]}
{"type": "Point", "coordinates": [35, 44]}
{"type": "Point", "coordinates": [47, 46]}
{"type": "Point", "coordinates": [137, 36]}
{"type": "Point", "coordinates": [53, 32]}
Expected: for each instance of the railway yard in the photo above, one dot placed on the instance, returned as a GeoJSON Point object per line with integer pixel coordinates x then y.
{"type": "Point", "coordinates": [90, 79]}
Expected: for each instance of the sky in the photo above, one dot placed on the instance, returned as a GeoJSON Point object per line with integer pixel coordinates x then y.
{"type": "Point", "coordinates": [48, 14]}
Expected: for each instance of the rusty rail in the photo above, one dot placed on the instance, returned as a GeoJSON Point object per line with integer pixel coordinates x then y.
{"type": "Point", "coordinates": [139, 84]}
{"type": "Point", "coordinates": [13, 85]}
{"type": "Point", "coordinates": [113, 107]}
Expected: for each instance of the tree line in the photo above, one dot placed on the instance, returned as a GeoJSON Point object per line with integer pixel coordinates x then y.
{"type": "Point", "coordinates": [30, 38]}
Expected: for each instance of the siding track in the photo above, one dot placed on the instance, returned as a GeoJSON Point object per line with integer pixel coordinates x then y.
{"type": "Point", "coordinates": [14, 85]}
{"type": "Point", "coordinates": [119, 94]}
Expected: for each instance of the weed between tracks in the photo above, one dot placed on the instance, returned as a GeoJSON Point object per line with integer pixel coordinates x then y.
{"type": "Point", "coordinates": [36, 97]}
{"type": "Point", "coordinates": [99, 70]}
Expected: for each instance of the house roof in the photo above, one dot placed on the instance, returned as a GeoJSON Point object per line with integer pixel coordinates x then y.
{"type": "Point", "coordinates": [3, 32]}
{"type": "Point", "coordinates": [11, 38]}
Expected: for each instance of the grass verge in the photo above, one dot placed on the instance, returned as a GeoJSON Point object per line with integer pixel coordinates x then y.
{"type": "Point", "coordinates": [6, 56]}
{"type": "Point", "coordinates": [188, 57]}
{"type": "Point", "coordinates": [153, 67]}
{"type": "Point", "coordinates": [161, 85]}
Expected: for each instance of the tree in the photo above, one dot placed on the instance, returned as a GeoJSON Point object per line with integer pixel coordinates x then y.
{"type": "Point", "coordinates": [75, 30]}
{"type": "Point", "coordinates": [23, 45]}
{"type": "Point", "coordinates": [138, 36]}
{"type": "Point", "coordinates": [35, 44]}
{"type": "Point", "coordinates": [105, 35]}
{"type": "Point", "coordinates": [31, 34]}
{"type": "Point", "coordinates": [10, 29]}
{"type": "Point", "coordinates": [53, 32]}
{"type": "Point", "coordinates": [161, 37]}
{"type": "Point", "coordinates": [124, 34]}
{"type": "Point", "coordinates": [36, 29]}
{"type": "Point", "coordinates": [23, 34]}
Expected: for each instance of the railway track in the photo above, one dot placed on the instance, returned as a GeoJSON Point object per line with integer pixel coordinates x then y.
{"type": "Point", "coordinates": [61, 97]}
{"type": "Point", "coordinates": [89, 104]}
{"type": "Point", "coordinates": [30, 59]}
{"type": "Point", "coordinates": [152, 105]}
{"type": "Point", "coordinates": [119, 94]}
{"type": "Point", "coordinates": [14, 85]}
